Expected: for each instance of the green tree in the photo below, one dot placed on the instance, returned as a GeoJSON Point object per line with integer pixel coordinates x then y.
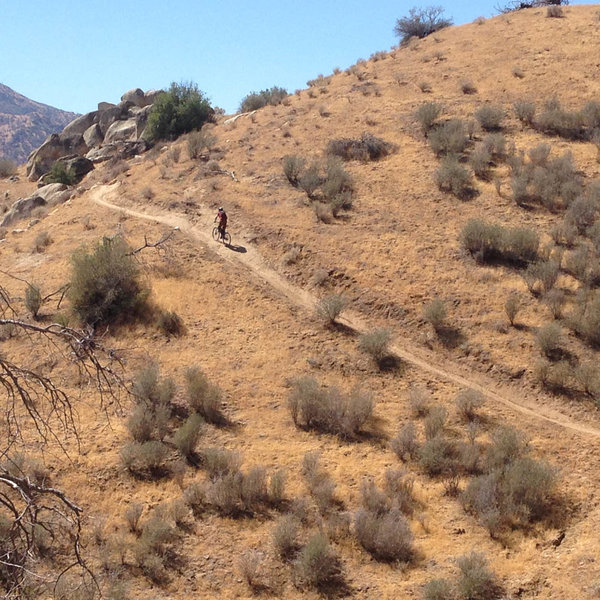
{"type": "Point", "coordinates": [183, 108]}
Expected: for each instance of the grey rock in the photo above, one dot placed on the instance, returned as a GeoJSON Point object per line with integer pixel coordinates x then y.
{"type": "Point", "coordinates": [79, 125]}
{"type": "Point", "coordinates": [121, 131]}
{"type": "Point", "coordinates": [109, 116]}
{"type": "Point", "coordinates": [21, 209]}
{"type": "Point", "coordinates": [50, 151]}
{"type": "Point", "coordinates": [55, 193]}
{"type": "Point", "coordinates": [135, 96]}
{"type": "Point", "coordinates": [93, 136]}
{"type": "Point", "coordinates": [102, 106]}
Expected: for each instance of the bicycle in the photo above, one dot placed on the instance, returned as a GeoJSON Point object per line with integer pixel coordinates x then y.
{"type": "Point", "coordinates": [226, 238]}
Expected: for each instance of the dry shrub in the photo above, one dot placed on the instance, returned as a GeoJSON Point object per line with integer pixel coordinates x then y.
{"type": "Point", "coordinates": [512, 307]}
{"type": "Point", "coordinates": [399, 486]}
{"type": "Point", "coordinates": [204, 397]}
{"type": "Point", "coordinates": [250, 566]}
{"type": "Point", "coordinates": [452, 177]}
{"type": "Point", "coordinates": [427, 115]}
{"type": "Point", "coordinates": [276, 491]}
{"type": "Point", "coordinates": [367, 147]}
{"type": "Point", "coordinates": [285, 536]}
{"type": "Point", "coordinates": [148, 458]}
{"type": "Point", "coordinates": [555, 11]}
{"type": "Point", "coordinates": [132, 517]}
{"type": "Point", "coordinates": [437, 456]}
{"type": "Point", "coordinates": [490, 117]}
{"type": "Point", "coordinates": [549, 339]}
{"type": "Point", "coordinates": [318, 564]}
{"type": "Point", "coordinates": [293, 167]}
{"type": "Point", "coordinates": [468, 87]}
{"type": "Point", "coordinates": [320, 484]}
{"type": "Point", "coordinates": [386, 536]}
{"type": "Point", "coordinates": [425, 87]}
{"type": "Point", "coordinates": [313, 406]}
{"type": "Point", "coordinates": [448, 138]}
{"type": "Point", "coordinates": [405, 445]}
{"type": "Point", "coordinates": [468, 402]}
{"type": "Point", "coordinates": [438, 589]}
{"type": "Point", "coordinates": [376, 343]}
{"type": "Point", "coordinates": [220, 462]}
{"type": "Point", "coordinates": [435, 421]}
{"type": "Point", "coordinates": [555, 300]}
{"type": "Point", "coordinates": [197, 141]}
{"type": "Point", "coordinates": [169, 322]}
{"type": "Point", "coordinates": [525, 111]}
{"type": "Point", "coordinates": [476, 581]}
{"type": "Point", "coordinates": [329, 308]}
{"type": "Point", "coordinates": [7, 168]}
{"type": "Point", "coordinates": [42, 241]}
{"type": "Point", "coordinates": [480, 161]}
{"type": "Point", "coordinates": [541, 276]}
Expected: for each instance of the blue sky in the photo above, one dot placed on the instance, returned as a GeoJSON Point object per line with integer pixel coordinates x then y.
{"type": "Point", "coordinates": [74, 54]}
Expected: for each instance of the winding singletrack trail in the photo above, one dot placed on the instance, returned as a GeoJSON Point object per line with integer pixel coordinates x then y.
{"type": "Point", "coordinates": [202, 231]}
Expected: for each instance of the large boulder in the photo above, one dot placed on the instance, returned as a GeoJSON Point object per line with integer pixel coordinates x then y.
{"type": "Point", "coordinates": [55, 147]}
{"type": "Point", "coordinates": [109, 116]}
{"type": "Point", "coordinates": [121, 131]}
{"type": "Point", "coordinates": [118, 150]}
{"type": "Point", "coordinates": [80, 166]}
{"type": "Point", "coordinates": [135, 96]}
{"type": "Point", "coordinates": [93, 136]}
{"type": "Point", "coordinates": [105, 106]}
{"type": "Point", "coordinates": [22, 208]}
{"type": "Point", "coordinates": [79, 125]}
{"type": "Point", "coordinates": [151, 95]}
{"type": "Point", "coordinates": [51, 191]}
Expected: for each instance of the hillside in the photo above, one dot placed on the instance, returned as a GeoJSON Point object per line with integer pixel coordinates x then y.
{"type": "Point", "coordinates": [25, 124]}
{"type": "Point", "coordinates": [248, 313]}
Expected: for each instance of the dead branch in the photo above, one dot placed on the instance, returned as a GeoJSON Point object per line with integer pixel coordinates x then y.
{"type": "Point", "coordinates": [148, 244]}
{"type": "Point", "coordinates": [225, 172]}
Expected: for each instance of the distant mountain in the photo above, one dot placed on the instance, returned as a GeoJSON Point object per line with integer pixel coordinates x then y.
{"type": "Point", "coordinates": [25, 124]}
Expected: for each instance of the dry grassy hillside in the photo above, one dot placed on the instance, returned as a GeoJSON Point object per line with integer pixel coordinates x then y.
{"type": "Point", "coordinates": [249, 324]}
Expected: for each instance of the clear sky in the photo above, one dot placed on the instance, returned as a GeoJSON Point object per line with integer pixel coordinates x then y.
{"type": "Point", "coordinates": [72, 54]}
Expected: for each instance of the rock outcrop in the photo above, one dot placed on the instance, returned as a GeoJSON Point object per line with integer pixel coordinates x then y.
{"type": "Point", "coordinates": [111, 131]}
{"type": "Point", "coordinates": [51, 194]}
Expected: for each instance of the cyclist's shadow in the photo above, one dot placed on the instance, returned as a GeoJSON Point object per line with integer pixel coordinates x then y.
{"type": "Point", "coordinates": [235, 248]}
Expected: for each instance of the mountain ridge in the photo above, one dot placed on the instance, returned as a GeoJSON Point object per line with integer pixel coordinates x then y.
{"type": "Point", "coordinates": [25, 123]}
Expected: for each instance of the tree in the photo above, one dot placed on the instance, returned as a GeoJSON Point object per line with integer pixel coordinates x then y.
{"type": "Point", "coordinates": [183, 108]}
{"type": "Point", "coordinates": [421, 22]}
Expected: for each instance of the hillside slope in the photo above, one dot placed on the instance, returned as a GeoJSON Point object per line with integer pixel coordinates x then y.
{"type": "Point", "coordinates": [249, 324]}
{"type": "Point", "coordinates": [25, 124]}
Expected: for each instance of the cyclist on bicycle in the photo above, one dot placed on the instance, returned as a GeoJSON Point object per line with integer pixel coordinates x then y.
{"type": "Point", "coordinates": [222, 220]}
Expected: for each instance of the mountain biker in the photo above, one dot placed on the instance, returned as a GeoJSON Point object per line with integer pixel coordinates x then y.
{"type": "Point", "coordinates": [222, 220]}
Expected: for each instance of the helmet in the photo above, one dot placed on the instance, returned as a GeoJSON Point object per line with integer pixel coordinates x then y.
{"type": "Point", "coordinates": [221, 208]}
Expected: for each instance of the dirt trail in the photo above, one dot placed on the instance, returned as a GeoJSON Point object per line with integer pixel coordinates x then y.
{"type": "Point", "coordinates": [248, 256]}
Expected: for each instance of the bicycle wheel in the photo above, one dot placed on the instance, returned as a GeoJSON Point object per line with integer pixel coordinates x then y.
{"type": "Point", "coordinates": [227, 238]}
{"type": "Point", "coordinates": [215, 234]}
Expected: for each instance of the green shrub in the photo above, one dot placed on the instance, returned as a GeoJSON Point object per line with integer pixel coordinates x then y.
{"type": "Point", "coordinates": [7, 167]}
{"type": "Point", "coordinates": [182, 109]}
{"type": "Point", "coordinates": [255, 100]}
{"type": "Point", "coordinates": [33, 299]}
{"type": "Point", "coordinates": [454, 178]}
{"type": "Point", "coordinates": [435, 313]}
{"type": "Point", "coordinates": [582, 213]}
{"type": "Point", "coordinates": [220, 462]}
{"type": "Point", "coordinates": [328, 409]}
{"type": "Point", "coordinates": [421, 22]}
{"type": "Point", "coordinates": [147, 458]}
{"type": "Point", "coordinates": [490, 117]}
{"type": "Point", "coordinates": [476, 581]}
{"type": "Point", "coordinates": [60, 174]}
{"type": "Point", "coordinates": [448, 138]}
{"type": "Point", "coordinates": [525, 112]}
{"type": "Point", "coordinates": [293, 166]}
{"type": "Point", "coordinates": [106, 283]}
{"type": "Point", "coordinates": [329, 308]}
{"type": "Point", "coordinates": [187, 436]}
{"type": "Point", "coordinates": [494, 242]}
{"type": "Point", "coordinates": [310, 180]}
{"type": "Point", "coordinates": [556, 121]}
{"type": "Point", "coordinates": [367, 147]}
{"type": "Point", "coordinates": [376, 344]}
{"type": "Point", "coordinates": [204, 397]}
{"type": "Point", "coordinates": [427, 115]}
